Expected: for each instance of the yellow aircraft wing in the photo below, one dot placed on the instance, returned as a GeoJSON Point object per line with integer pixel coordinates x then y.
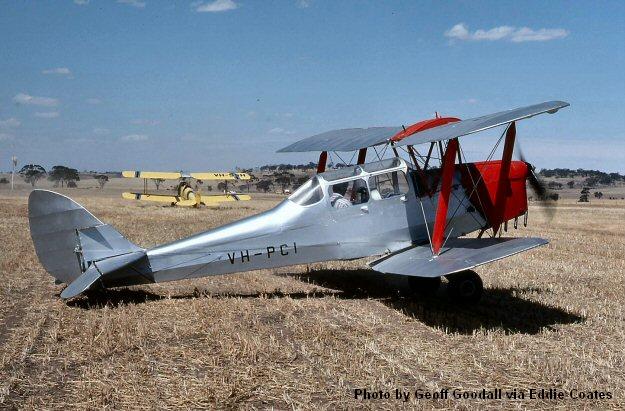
{"type": "Point", "coordinates": [171, 199]}
{"type": "Point", "coordinates": [152, 197]}
{"type": "Point", "coordinates": [153, 174]}
{"type": "Point", "coordinates": [175, 175]}
{"type": "Point", "coordinates": [213, 199]}
{"type": "Point", "coordinates": [220, 176]}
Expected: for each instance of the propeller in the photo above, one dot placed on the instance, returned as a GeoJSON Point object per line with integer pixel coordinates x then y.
{"type": "Point", "coordinates": [543, 194]}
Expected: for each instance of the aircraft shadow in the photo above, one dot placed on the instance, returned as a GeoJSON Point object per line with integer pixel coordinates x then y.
{"type": "Point", "coordinates": [499, 309]}
{"type": "Point", "coordinates": [114, 297]}
{"type": "Point", "coordinates": [95, 299]}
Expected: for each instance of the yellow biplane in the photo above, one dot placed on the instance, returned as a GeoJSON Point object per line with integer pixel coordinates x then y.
{"type": "Point", "coordinates": [186, 195]}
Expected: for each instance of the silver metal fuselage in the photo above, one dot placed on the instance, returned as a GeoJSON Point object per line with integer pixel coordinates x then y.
{"type": "Point", "coordinates": [291, 234]}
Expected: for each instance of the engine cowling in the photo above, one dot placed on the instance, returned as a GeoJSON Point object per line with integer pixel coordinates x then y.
{"type": "Point", "coordinates": [499, 198]}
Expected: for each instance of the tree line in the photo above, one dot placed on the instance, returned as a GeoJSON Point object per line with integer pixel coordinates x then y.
{"type": "Point", "coordinates": [287, 167]}
{"type": "Point", "coordinates": [60, 175]}
{"type": "Point", "coordinates": [592, 178]}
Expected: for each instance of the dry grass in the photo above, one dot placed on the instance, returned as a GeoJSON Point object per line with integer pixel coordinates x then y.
{"type": "Point", "coordinates": [306, 337]}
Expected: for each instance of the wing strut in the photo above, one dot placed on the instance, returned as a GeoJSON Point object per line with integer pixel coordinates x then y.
{"type": "Point", "coordinates": [448, 167]}
{"type": "Point", "coordinates": [323, 159]}
{"type": "Point", "coordinates": [420, 171]}
{"type": "Point", "coordinates": [504, 177]}
{"type": "Point", "coordinates": [427, 159]}
{"type": "Point", "coordinates": [362, 155]}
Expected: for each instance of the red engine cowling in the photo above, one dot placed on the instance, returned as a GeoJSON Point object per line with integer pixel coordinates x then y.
{"type": "Point", "coordinates": [499, 197]}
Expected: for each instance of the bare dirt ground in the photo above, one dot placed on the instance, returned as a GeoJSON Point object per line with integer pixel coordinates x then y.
{"type": "Point", "coordinates": [307, 337]}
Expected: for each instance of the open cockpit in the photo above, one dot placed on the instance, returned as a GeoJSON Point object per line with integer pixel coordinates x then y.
{"type": "Point", "coordinates": [354, 185]}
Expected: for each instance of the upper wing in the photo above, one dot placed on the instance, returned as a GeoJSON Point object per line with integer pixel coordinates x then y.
{"type": "Point", "coordinates": [457, 255]}
{"type": "Point", "coordinates": [153, 174]}
{"type": "Point", "coordinates": [351, 139]}
{"type": "Point", "coordinates": [348, 139]}
{"type": "Point", "coordinates": [474, 125]}
{"type": "Point", "coordinates": [220, 176]}
{"type": "Point", "coordinates": [174, 175]}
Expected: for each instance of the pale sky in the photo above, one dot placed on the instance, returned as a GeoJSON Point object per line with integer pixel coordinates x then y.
{"type": "Point", "coordinates": [111, 85]}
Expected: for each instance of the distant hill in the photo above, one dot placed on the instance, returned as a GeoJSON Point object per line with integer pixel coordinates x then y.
{"type": "Point", "coordinates": [591, 178]}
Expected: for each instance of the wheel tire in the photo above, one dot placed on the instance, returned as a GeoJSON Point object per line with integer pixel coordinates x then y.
{"type": "Point", "coordinates": [465, 287]}
{"type": "Point", "coordinates": [424, 286]}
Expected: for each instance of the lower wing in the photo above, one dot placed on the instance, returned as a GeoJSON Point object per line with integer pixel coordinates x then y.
{"type": "Point", "coordinates": [212, 199]}
{"type": "Point", "coordinates": [457, 255]}
{"type": "Point", "coordinates": [171, 199]}
{"type": "Point", "coordinates": [158, 198]}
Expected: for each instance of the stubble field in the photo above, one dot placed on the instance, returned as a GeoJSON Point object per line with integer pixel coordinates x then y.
{"type": "Point", "coordinates": [308, 336]}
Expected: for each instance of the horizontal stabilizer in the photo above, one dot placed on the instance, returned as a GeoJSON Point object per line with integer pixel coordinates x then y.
{"type": "Point", "coordinates": [458, 254]}
{"type": "Point", "coordinates": [98, 269]}
{"type": "Point", "coordinates": [82, 283]}
{"type": "Point", "coordinates": [103, 241]}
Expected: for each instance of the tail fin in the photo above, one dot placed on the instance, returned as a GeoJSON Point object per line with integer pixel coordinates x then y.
{"type": "Point", "coordinates": [69, 240]}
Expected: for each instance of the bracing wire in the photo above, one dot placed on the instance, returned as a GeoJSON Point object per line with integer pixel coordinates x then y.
{"type": "Point", "coordinates": [490, 155]}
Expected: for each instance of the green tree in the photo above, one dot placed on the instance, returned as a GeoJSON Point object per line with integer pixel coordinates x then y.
{"type": "Point", "coordinates": [101, 179]}
{"type": "Point", "coordinates": [583, 195]}
{"type": "Point", "coordinates": [592, 181]}
{"type": "Point", "coordinates": [31, 173]}
{"type": "Point", "coordinates": [264, 185]}
{"type": "Point", "coordinates": [158, 182]}
{"type": "Point", "coordinates": [251, 181]}
{"type": "Point", "coordinates": [62, 174]}
{"type": "Point", "coordinates": [284, 179]}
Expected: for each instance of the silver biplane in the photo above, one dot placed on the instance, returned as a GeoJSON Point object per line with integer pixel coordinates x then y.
{"type": "Point", "coordinates": [411, 217]}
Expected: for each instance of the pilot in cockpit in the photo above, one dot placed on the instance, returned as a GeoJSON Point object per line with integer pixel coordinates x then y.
{"type": "Point", "coordinates": [347, 194]}
{"type": "Point", "coordinates": [338, 196]}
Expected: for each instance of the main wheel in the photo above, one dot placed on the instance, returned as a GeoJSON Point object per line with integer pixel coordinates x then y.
{"type": "Point", "coordinates": [424, 286]}
{"type": "Point", "coordinates": [465, 287]}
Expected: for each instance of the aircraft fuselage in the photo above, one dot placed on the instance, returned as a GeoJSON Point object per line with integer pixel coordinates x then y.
{"type": "Point", "coordinates": [293, 233]}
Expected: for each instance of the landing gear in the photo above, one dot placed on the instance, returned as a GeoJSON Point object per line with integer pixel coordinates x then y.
{"type": "Point", "coordinates": [424, 286]}
{"type": "Point", "coordinates": [465, 287]}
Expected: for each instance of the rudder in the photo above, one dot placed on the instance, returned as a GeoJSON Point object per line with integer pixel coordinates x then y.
{"type": "Point", "coordinates": [68, 238]}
